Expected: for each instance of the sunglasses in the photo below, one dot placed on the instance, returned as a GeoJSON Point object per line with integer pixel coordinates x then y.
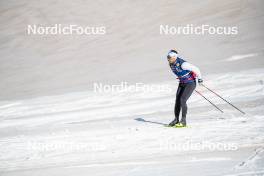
{"type": "Point", "coordinates": [168, 57]}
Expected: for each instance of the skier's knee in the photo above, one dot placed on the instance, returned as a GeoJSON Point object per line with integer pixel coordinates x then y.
{"type": "Point", "coordinates": [183, 101]}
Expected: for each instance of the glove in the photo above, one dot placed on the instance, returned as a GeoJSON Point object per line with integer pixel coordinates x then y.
{"type": "Point", "coordinates": [200, 81]}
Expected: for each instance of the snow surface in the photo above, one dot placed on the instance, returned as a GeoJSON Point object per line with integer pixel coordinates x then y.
{"type": "Point", "coordinates": [53, 123]}
{"type": "Point", "coordinates": [89, 133]}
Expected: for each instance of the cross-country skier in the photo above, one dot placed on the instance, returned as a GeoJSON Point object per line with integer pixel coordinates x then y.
{"type": "Point", "coordinates": [187, 74]}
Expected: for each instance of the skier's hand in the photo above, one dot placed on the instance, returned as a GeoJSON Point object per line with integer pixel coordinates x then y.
{"type": "Point", "coordinates": [200, 81]}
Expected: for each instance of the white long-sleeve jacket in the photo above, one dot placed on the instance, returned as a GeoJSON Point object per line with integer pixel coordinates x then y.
{"type": "Point", "coordinates": [193, 68]}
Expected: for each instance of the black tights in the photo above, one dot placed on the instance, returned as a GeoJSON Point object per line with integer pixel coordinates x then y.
{"type": "Point", "coordinates": [184, 92]}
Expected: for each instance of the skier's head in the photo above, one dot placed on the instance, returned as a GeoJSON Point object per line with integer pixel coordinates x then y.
{"type": "Point", "coordinates": [172, 56]}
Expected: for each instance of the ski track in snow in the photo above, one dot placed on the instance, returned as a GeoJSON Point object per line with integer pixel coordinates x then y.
{"type": "Point", "coordinates": [240, 57]}
{"type": "Point", "coordinates": [83, 129]}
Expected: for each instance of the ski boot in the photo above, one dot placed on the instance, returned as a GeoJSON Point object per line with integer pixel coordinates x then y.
{"type": "Point", "coordinates": [182, 123]}
{"type": "Point", "coordinates": [174, 122]}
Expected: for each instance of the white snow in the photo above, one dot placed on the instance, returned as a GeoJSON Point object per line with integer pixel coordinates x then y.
{"type": "Point", "coordinates": [239, 57]}
{"type": "Point", "coordinates": [53, 123]}
{"type": "Point", "coordinates": [90, 130]}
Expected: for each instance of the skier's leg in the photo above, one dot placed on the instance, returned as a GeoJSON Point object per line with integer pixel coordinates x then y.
{"type": "Point", "coordinates": [188, 90]}
{"type": "Point", "coordinates": [177, 107]}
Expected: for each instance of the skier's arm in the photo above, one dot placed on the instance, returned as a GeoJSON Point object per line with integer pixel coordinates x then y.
{"type": "Point", "coordinates": [191, 67]}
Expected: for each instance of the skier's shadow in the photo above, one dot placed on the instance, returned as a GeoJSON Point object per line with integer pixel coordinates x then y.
{"type": "Point", "coordinates": [148, 121]}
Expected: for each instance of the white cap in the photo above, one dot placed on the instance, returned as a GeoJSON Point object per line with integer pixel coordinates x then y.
{"type": "Point", "coordinates": [172, 54]}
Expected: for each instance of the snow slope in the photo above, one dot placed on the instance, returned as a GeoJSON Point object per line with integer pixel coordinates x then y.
{"type": "Point", "coordinates": [53, 123]}
{"type": "Point", "coordinates": [89, 133]}
{"type": "Point", "coordinates": [33, 66]}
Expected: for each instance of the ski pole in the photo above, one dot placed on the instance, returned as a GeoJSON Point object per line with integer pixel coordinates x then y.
{"type": "Point", "coordinates": [223, 99]}
{"type": "Point", "coordinates": [209, 101]}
